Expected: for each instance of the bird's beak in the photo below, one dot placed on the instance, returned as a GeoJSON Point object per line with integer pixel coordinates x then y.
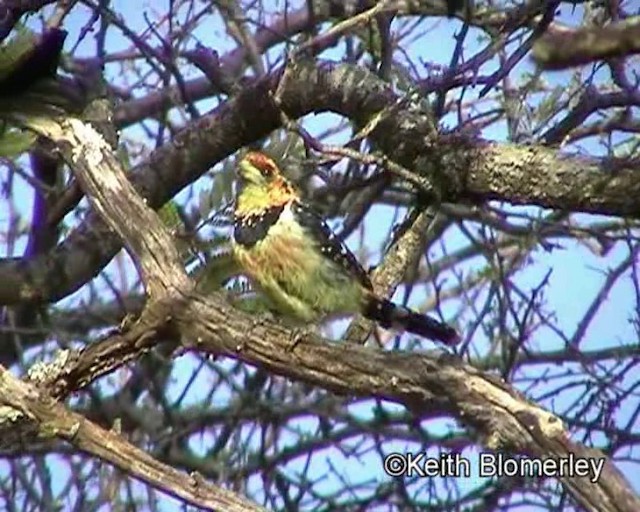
{"type": "Point", "coordinates": [242, 169]}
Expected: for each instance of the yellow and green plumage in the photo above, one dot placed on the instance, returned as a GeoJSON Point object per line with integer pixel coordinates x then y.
{"type": "Point", "coordinates": [289, 252]}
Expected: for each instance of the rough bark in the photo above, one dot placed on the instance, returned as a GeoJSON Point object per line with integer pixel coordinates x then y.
{"type": "Point", "coordinates": [463, 168]}
{"type": "Point", "coordinates": [503, 417]}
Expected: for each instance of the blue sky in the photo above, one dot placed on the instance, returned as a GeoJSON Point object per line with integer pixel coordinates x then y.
{"type": "Point", "coordinates": [576, 273]}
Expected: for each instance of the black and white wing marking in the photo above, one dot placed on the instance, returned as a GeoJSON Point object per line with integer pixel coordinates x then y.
{"type": "Point", "coordinates": [248, 230]}
{"type": "Point", "coordinates": [328, 243]}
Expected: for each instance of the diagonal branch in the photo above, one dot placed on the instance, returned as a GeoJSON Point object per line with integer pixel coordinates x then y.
{"type": "Point", "coordinates": [103, 180]}
{"type": "Point", "coordinates": [567, 48]}
{"type": "Point", "coordinates": [54, 419]}
{"type": "Point", "coordinates": [466, 169]}
{"type": "Point", "coordinates": [113, 198]}
{"type": "Point", "coordinates": [504, 419]}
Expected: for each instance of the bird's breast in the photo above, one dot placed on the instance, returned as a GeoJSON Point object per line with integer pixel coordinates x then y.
{"type": "Point", "coordinates": [273, 244]}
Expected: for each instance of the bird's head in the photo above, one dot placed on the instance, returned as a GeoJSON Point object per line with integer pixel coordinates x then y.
{"type": "Point", "coordinates": [258, 169]}
{"type": "Point", "coordinates": [261, 184]}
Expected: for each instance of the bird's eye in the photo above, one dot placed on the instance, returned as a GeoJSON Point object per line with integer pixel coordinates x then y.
{"type": "Point", "coordinates": [267, 168]}
{"type": "Point", "coordinates": [263, 163]}
{"type": "Point", "coordinates": [266, 171]}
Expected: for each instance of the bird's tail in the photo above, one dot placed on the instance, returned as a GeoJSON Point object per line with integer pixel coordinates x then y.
{"type": "Point", "coordinates": [390, 315]}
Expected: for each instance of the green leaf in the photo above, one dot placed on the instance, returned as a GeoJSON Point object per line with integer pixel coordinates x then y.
{"type": "Point", "coordinates": [170, 215]}
{"type": "Point", "coordinates": [15, 142]}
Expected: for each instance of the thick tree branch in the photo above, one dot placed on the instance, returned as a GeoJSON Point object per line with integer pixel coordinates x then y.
{"type": "Point", "coordinates": [12, 10]}
{"type": "Point", "coordinates": [465, 169]}
{"type": "Point", "coordinates": [103, 180]}
{"type": "Point", "coordinates": [22, 400]}
{"type": "Point", "coordinates": [503, 417]}
{"type": "Point", "coordinates": [115, 200]}
{"type": "Point", "coordinates": [273, 367]}
{"type": "Point", "coordinates": [563, 49]}
{"type": "Point", "coordinates": [228, 69]}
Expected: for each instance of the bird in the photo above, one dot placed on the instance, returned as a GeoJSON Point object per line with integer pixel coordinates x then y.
{"type": "Point", "coordinates": [305, 271]}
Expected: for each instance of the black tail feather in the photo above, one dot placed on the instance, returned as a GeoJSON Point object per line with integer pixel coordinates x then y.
{"type": "Point", "coordinates": [390, 315]}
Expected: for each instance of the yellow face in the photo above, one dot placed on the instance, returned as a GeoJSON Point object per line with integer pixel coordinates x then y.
{"type": "Point", "coordinates": [261, 185]}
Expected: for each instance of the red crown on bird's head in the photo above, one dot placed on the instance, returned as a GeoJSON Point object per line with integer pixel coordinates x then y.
{"type": "Point", "coordinates": [262, 162]}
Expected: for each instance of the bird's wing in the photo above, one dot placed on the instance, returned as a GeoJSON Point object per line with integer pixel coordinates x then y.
{"type": "Point", "coordinates": [329, 244]}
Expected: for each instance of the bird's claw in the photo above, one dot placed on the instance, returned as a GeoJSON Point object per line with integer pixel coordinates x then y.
{"type": "Point", "coordinates": [296, 337]}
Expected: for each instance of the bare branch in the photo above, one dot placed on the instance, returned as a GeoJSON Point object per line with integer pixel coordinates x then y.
{"type": "Point", "coordinates": [53, 419]}
{"type": "Point", "coordinates": [464, 167]}
{"type": "Point", "coordinates": [567, 48]}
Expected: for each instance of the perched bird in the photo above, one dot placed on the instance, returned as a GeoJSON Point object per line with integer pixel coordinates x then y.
{"type": "Point", "coordinates": [294, 258]}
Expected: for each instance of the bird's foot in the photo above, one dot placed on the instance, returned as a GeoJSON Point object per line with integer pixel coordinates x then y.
{"type": "Point", "coordinates": [297, 335]}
